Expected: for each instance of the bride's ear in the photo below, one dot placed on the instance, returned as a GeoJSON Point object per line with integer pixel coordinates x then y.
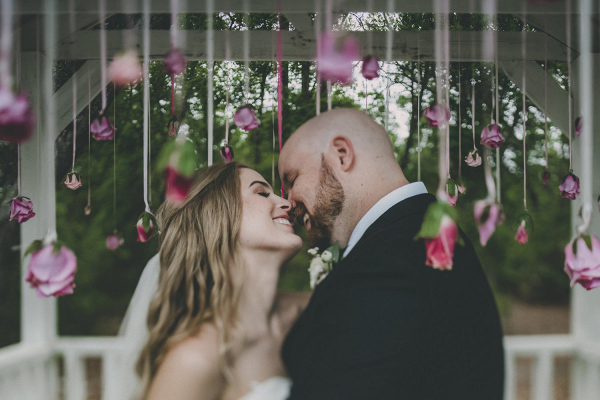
{"type": "Point", "coordinates": [343, 152]}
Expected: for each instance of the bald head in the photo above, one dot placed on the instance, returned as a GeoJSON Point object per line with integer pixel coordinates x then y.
{"type": "Point", "coordinates": [340, 158]}
{"type": "Point", "coordinates": [366, 135]}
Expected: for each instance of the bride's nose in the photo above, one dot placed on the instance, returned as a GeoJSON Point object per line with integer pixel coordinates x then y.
{"type": "Point", "coordinates": [284, 204]}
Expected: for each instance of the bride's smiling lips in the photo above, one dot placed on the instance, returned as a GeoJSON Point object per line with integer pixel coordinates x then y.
{"type": "Point", "coordinates": [284, 220]}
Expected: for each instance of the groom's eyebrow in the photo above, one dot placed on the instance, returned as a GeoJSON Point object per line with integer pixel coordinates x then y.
{"type": "Point", "coordinates": [265, 184]}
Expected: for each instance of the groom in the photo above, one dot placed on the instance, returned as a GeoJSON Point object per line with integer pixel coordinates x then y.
{"type": "Point", "coordinates": [382, 325]}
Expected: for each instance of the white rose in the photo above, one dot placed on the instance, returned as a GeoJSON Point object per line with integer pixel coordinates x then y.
{"type": "Point", "coordinates": [327, 256]}
{"type": "Point", "coordinates": [313, 252]}
{"type": "Point", "coordinates": [316, 270]}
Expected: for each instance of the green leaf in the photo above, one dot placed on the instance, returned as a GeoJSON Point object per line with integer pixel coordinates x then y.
{"type": "Point", "coordinates": [335, 251]}
{"type": "Point", "coordinates": [451, 187]}
{"type": "Point", "coordinates": [187, 159]}
{"type": "Point", "coordinates": [146, 221]}
{"type": "Point", "coordinates": [56, 246]}
{"type": "Point", "coordinates": [433, 216]}
{"type": "Point", "coordinates": [36, 245]}
{"type": "Point", "coordinates": [165, 155]}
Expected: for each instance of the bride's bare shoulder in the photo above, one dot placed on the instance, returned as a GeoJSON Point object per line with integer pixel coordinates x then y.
{"type": "Point", "coordinates": [190, 369]}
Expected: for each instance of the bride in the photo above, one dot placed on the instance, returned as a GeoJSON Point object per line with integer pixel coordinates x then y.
{"type": "Point", "coordinates": [216, 323]}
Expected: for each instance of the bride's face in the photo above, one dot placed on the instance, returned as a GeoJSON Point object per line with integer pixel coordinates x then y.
{"type": "Point", "coordinates": [265, 224]}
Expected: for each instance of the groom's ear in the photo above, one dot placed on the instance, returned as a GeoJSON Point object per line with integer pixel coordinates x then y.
{"type": "Point", "coordinates": [343, 152]}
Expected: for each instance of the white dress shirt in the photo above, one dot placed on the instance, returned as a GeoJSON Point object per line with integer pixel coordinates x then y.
{"type": "Point", "coordinates": [384, 204]}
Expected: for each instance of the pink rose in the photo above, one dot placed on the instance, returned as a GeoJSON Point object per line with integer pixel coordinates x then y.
{"type": "Point", "coordinates": [521, 235]}
{"type": "Point", "coordinates": [473, 159]}
{"type": "Point", "coordinates": [440, 250]}
{"type": "Point", "coordinates": [583, 265]}
{"type": "Point", "coordinates": [370, 68]}
{"type": "Point", "coordinates": [578, 126]}
{"type": "Point", "coordinates": [17, 119]}
{"type": "Point", "coordinates": [545, 177]}
{"type": "Point", "coordinates": [114, 242]}
{"type": "Point", "coordinates": [52, 272]}
{"type": "Point", "coordinates": [491, 136]}
{"type": "Point", "coordinates": [244, 118]}
{"type": "Point", "coordinates": [125, 69]}
{"type": "Point", "coordinates": [437, 116]}
{"type": "Point", "coordinates": [227, 153]}
{"type": "Point", "coordinates": [73, 181]}
{"type": "Point", "coordinates": [173, 126]}
{"type": "Point", "coordinates": [570, 186]}
{"type": "Point", "coordinates": [174, 62]}
{"type": "Point", "coordinates": [145, 227]}
{"type": "Point", "coordinates": [21, 209]}
{"type": "Point", "coordinates": [494, 218]}
{"type": "Point", "coordinates": [102, 129]}
{"type": "Point", "coordinates": [177, 185]}
{"type": "Point", "coordinates": [336, 55]}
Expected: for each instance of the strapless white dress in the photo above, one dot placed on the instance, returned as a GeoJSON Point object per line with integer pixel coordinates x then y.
{"type": "Point", "coordinates": [275, 388]}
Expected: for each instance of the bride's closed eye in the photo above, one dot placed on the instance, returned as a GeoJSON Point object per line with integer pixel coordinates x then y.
{"type": "Point", "coordinates": [264, 194]}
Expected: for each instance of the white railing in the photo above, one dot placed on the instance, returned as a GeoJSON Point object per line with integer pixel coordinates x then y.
{"type": "Point", "coordinates": [30, 372]}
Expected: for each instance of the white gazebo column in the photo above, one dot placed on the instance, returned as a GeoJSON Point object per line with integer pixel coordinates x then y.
{"type": "Point", "coordinates": [585, 305]}
{"type": "Point", "coordinates": [38, 316]}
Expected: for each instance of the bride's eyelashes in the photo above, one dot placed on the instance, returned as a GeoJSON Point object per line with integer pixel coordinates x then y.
{"type": "Point", "coordinates": [264, 194]}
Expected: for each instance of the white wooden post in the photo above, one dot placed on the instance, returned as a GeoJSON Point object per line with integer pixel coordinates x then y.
{"type": "Point", "coordinates": [38, 316]}
{"type": "Point", "coordinates": [585, 317]}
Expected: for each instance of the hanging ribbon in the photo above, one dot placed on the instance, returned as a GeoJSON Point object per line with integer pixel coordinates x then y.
{"type": "Point", "coordinates": [88, 207]}
{"type": "Point", "coordinates": [210, 43]}
{"type": "Point", "coordinates": [568, 25]}
{"type": "Point", "coordinates": [524, 81]}
{"type": "Point", "coordinates": [459, 120]}
{"type": "Point", "coordinates": [497, 103]}
{"type": "Point", "coordinates": [6, 44]}
{"type": "Point", "coordinates": [419, 91]}
{"type": "Point", "coordinates": [273, 160]}
{"type": "Point", "coordinates": [246, 39]}
{"type": "Point", "coordinates": [546, 96]}
{"type": "Point", "coordinates": [102, 5]}
{"type": "Point", "coordinates": [317, 35]}
{"type": "Point", "coordinates": [74, 118]}
{"type": "Point", "coordinates": [115, 160]}
{"type": "Point", "coordinates": [146, 97]}
{"type": "Point", "coordinates": [280, 84]}
{"type": "Point", "coordinates": [441, 53]}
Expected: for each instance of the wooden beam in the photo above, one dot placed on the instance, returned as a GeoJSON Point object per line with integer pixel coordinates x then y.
{"type": "Point", "coordinates": [535, 90]}
{"type": "Point", "coordinates": [63, 98]}
{"type": "Point", "coordinates": [296, 6]}
{"type": "Point", "coordinates": [300, 45]}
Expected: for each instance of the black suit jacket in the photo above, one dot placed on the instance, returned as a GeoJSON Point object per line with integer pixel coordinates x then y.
{"type": "Point", "coordinates": [383, 325]}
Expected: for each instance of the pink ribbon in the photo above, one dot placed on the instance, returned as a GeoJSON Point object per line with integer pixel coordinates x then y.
{"type": "Point", "coordinates": [280, 85]}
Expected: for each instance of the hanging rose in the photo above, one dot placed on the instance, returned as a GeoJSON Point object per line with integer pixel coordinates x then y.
{"type": "Point", "coordinates": [87, 210]}
{"type": "Point", "coordinates": [178, 159]}
{"type": "Point", "coordinates": [582, 264]}
{"type": "Point", "coordinates": [145, 226]}
{"type": "Point", "coordinates": [73, 181]}
{"type": "Point", "coordinates": [336, 55]}
{"type": "Point", "coordinates": [491, 136]}
{"type": "Point", "coordinates": [578, 126]}
{"type": "Point", "coordinates": [177, 185]}
{"type": "Point", "coordinates": [227, 153]}
{"type": "Point", "coordinates": [17, 119]}
{"type": "Point", "coordinates": [51, 269]}
{"type": "Point", "coordinates": [440, 232]}
{"type": "Point", "coordinates": [437, 116]}
{"type": "Point", "coordinates": [114, 241]}
{"type": "Point", "coordinates": [173, 126]}
{"type": "Point", "coordinates": [174, 62]}
{"type": "Point", "coordinates": [452, 191]}
{"type": "Point", "coordinates": [370, 68]}
{"type": "Point", "coordinates": [21, 209]}
{"type": "Point", "coordinates": [488, 216]}
{"type": "Point", "coordinates": [569, 186]}
{"type": "Point", "coordinates": [125, 69]}
{"type": "Point", "coordinates": [245, 119]}
{"type": "Point", "coordinates": [525, 228]}
{"type": "Point", "coordinates": [545, 177]}
{"type": "Point", "coordinates": [473, 159]}
{"type": "Point", "coordinates": [102, 129]}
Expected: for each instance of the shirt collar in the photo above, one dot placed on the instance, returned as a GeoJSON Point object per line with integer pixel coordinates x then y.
{"type": "Point", "coordinates": [384, 204]}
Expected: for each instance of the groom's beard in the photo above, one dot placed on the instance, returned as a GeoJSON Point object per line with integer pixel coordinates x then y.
{"type": "Point", "coordinates": [329, 201]}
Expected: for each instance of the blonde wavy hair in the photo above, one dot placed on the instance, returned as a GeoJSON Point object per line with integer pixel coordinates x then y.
{"type": "Point", "coordinates": [198, 261]}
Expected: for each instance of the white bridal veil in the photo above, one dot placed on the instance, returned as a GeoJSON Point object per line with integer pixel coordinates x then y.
{"type": "Point", "coordinates": [133, 329]}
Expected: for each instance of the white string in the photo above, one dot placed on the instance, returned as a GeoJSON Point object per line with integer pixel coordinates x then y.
{"type": "Point", "coordinates": [546, 94]}
{"type": "Point", "coordinates": [6, 43]}
{"type": "Point", "coordinates": [74, 118]}
{"type": "Point", "coordinates": [174, 20]}
{"type": "Point", "coordinates": [317, 25]}
{"type": "Point", "coordinates": [210, 42]}
{"type": "Point", "coordinates": [568, 26]}
{"type": "Point", "coordinates": [328, 95]}
{"type": "Point", "coordinates": [89, 204]}
{"type": "Point", "coordinates": [498, 161]}
{"type": "Point", "coordinates": [246, 39]}
{"type": "Point", "coordinates": [102, 5]}
{"type": "Point", "coordinates": [523, 55]}
{"type": "Point", "coordinates": [419, 91]}
{"type": "Point", "coordinates": [390, 32]}
{"type": "Point", "coordinates": [47, 163]}
{"type": "Point", "coordinates": [441, 55]}
{"type": "Point", "coordinates": [459, 118]}
{"type": "Point", "coordinates": [114, 158]}
{"type": "Point", "coordinates": [273, 161]}
{"type": "Point", "coordinates": [146, 8]}
{"type": "Point", "coordinates": [473, 82]}
{"type": "Point", "coordinates": [586, 100]}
